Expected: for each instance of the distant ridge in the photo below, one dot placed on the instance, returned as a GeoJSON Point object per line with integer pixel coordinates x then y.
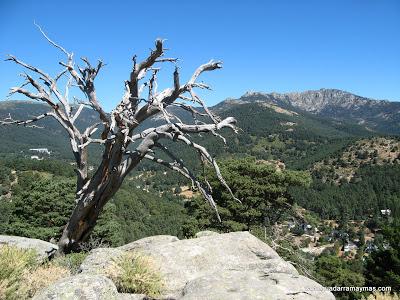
{"type": "Point", "coordinates": [297, 128]}
{"type": "Point", "coordinates": [380, 115]}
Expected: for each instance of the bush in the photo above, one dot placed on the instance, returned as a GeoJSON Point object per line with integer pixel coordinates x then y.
{"type": "Point", "coordinates": [304, 243]}
{"type": "Point", "coordinates": [70, 261]}
{"type": "Point", "coordinates": [14, 262]}
{"type": "Point", "coordinates": [3, 190]}
{"type": "Point", "coordinates": [298, 230]}
{"type": "Point", "coordinates": [134, 273]}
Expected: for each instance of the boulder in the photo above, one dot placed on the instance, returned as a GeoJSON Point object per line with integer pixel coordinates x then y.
{"type": "Point", "coordinates": [186, 260]}
{"type": "Point", "coordinates": [150, 241]}
{"type": "Point", "coordinates": [205, 233]}
{"type": "Point", "coordinates": [252, 285]}
{"type": "Point", "coordinates": [124, 296]}
{"type": "Point", "coordinates": [215, 266]}
{"type": "Point", "coordinates": [99, 260]}
{"type": "Point", "coordinates": [42, 248]}
{"type": "Point", "coordinates": [233, 265]}
{"type": "Point", "coordinates": [82, 287]}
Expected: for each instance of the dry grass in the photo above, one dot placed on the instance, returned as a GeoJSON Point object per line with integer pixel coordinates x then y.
{"type": "Point", "coordinates": [14, 262]}
{"type": "Point", "coordinates": [136, 273]}
{"type": "Point", "coordinates": [40, 278]}
{"type": "Point", "coordinates": [21, 276]}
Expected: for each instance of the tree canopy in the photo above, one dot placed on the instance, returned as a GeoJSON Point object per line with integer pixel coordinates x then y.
{"type": "Point", "coordinates": [260, 185]}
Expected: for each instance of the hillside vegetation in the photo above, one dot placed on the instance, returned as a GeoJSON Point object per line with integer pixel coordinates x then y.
{"type": "Point", "coordinates": [321, 188]}
{"type": "Point", "coordinates": [376, 151]}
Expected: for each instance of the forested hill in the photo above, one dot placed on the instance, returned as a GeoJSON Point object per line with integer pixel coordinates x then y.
{"type": "Point", "coordinates": [266, 132]}
{"type": "Point", "coordinates": [292, 127]}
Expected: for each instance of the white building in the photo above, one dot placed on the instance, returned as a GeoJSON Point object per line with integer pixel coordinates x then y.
{"type": "Point", "coordinates": [350, 246]}
{"type": "Point", "coordinates": [41, 150]}
{"type": "Point", "coordinates": [36, 157]}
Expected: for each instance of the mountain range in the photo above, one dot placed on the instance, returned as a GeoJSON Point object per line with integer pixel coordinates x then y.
{"type": "Point", "coordinates": [376, 115]}
{"type": "Point", "coordinates": [298, 128]}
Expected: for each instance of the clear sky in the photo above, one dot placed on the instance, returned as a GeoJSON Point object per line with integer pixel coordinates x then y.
{"type": "Point", "coordinates": [280, 46]}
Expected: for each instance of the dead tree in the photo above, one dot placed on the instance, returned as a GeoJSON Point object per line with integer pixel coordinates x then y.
{"type": "Point", "coordinates": [124, 144]}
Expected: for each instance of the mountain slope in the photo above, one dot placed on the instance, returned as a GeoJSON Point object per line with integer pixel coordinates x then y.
{"type": "Point", "coordinates": [19, 139]}
{"type": "Point", "coordinates": [298, 139]}
{"type": "Point", "coordinates": [376, 115]}
{"type": "Point", "coordinates": [375, 151]}
{"type": "Point", "coordinates": [271, 128]}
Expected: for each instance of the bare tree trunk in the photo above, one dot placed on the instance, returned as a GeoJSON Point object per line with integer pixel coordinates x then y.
{"type": "Point", "coordinates": [80, 225]}
{"type": "Point", "coordinates": [91, 196]}
{"type": "Point", "coordinates": [85, 214]}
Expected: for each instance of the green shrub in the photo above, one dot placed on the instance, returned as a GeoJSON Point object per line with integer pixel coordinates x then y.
{"type": "Point", "coordinates": [70, 261]}
{"type": "Point", "coordinates": [135, 273]}
{"type": "Point", "coordinates": [304, 243]}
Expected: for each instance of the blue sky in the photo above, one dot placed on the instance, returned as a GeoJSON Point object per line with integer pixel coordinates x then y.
{"type": "Point", "coordinates": [266, 46]}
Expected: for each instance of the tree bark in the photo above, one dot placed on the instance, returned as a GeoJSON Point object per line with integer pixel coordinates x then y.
{"type": "Point", "coordinates": [84, 217]}
{"type": "Point", "coordinates": [92, 197]}
{"type": "Point", "coordinates": [77, 230]}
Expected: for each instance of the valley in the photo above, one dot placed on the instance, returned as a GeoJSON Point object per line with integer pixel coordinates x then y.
{"type": "Point", "coordinates": [340, 168]}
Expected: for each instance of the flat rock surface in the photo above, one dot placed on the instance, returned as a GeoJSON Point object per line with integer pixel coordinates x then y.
{"type": "Point", "coordinates": [251, 285]}
{"type": "Point", "coordinates": [149, 242]}
{"type": "Point", "coordinates": [42, 248]}
{"type": "Point", "coordinates": [99, 260]}
{"type": "Point", "coordinates": [80, 287]}
{"type": "Point", "coordinates": [186, 265]}
{"type": "Point", "coordinates": [215, 266]}
{"type": "Point", "coordinates": [205, 233]}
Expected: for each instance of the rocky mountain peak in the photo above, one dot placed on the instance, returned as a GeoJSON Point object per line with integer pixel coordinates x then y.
{"type": "Point", "coordinates": [339, 105]}
{"type": "Point", "coordinates": [313, 100]}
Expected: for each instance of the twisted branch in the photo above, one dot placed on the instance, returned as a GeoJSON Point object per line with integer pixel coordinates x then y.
{"type": "Point", "coordinates": [120, 127]}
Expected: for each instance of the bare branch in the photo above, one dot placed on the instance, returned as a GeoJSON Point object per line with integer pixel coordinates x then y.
{"type": "Point", "coordinates": [154, 55]}
{"type": "Point", "coordinates": [185, 128]}
{"type": "Point", "coordinates": [50, 41]}
{"type": "Point", "coordinates": [60, 74]}
{"type": "Point", "coordinates": [169, 165]}
{"type": "Point", "coordinates": [45, 76]}
{"type": "Point", "coordinates": [10, 121]}
{"type": "Point", "coordinates": [86, 84]}
{"type": "Point", "coordinates": [189, 109]}
{"type": "Point", "coordinates": [204, 190]}
{"type": "Point", "coordinates": [139, 71]}
{"type": "Point", "coordinates": [90, 141]}
{"type": "Point", "coordinates": [174, 60]}
{"type": "Point", "coordinates": [210, 66]}
{"type": "Point", "coordinates": [25, 92]}
{"type": "Point", "coordinates": [201, 102]}
{"type": "Point", "coordinates": [77, 113]}
{"type": "Point", "coordinates": [89, 131]}
{"type": "Point", "coordinates": [204, 153]}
